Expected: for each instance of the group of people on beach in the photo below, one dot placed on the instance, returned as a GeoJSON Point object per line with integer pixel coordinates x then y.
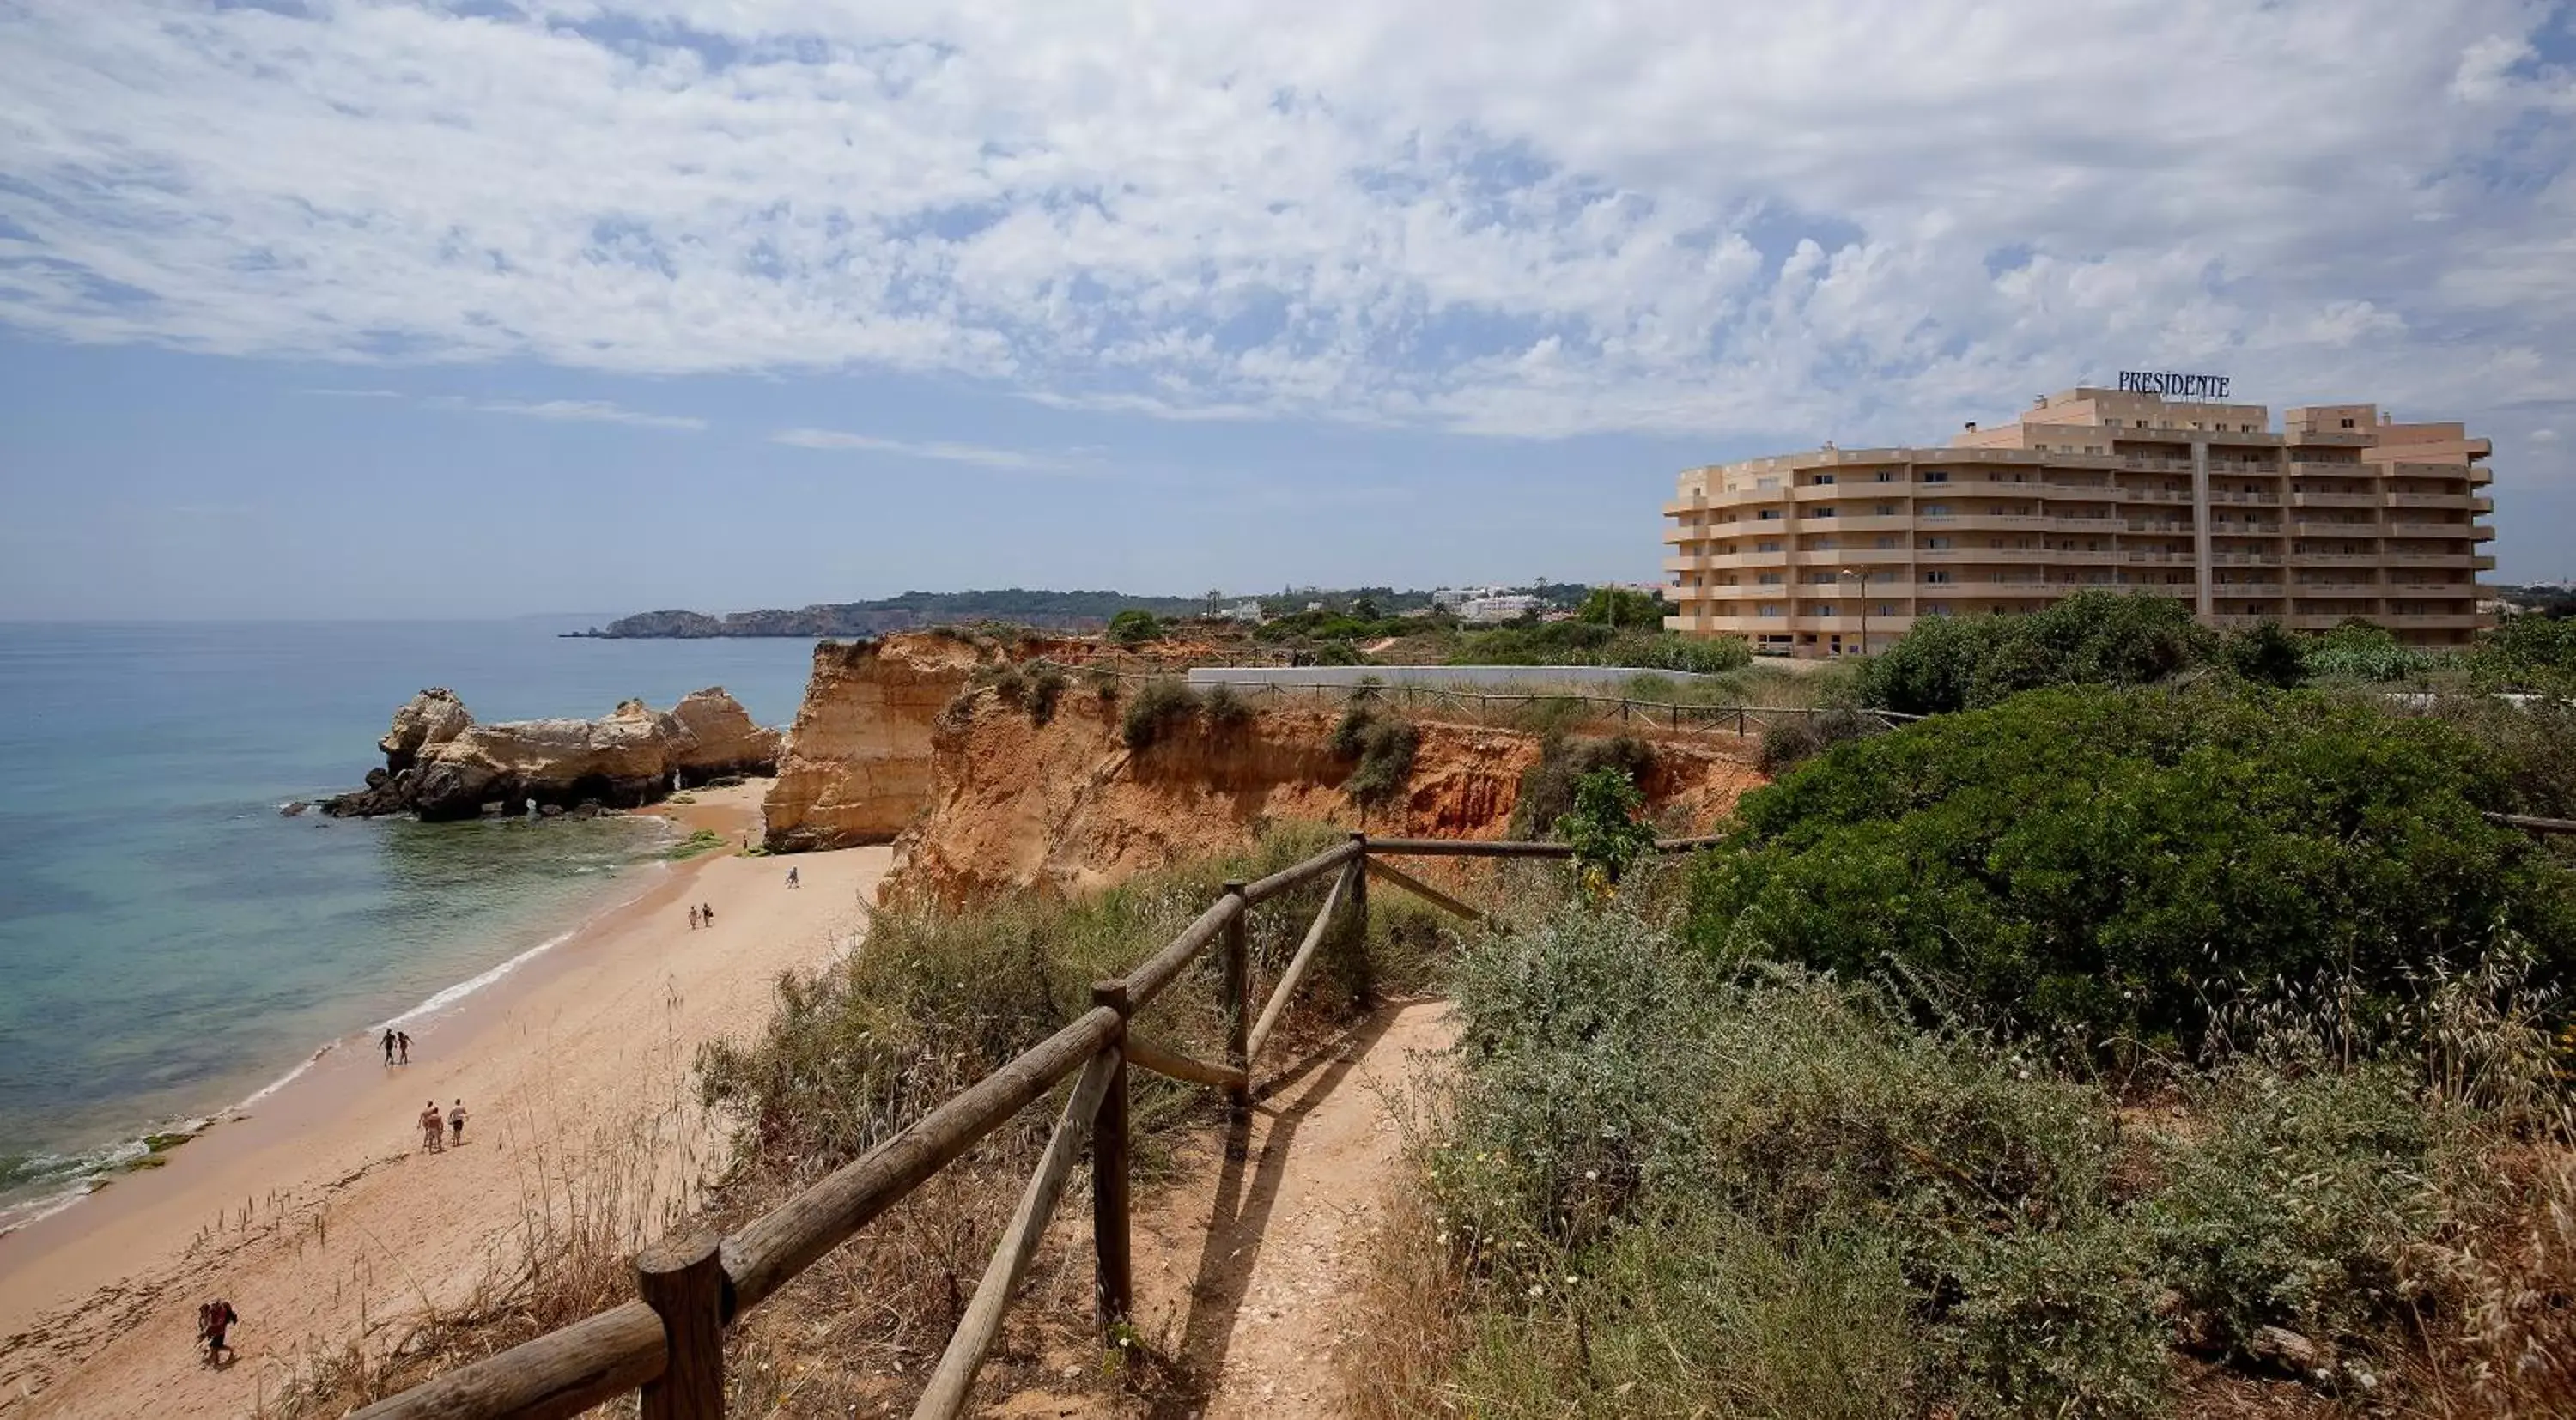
{"type": "Point", "coordinates": [434, 1139]}
{"type": "Point", "coordinates": [701, 915]}
{"type": "Point", "coordinates": [397, 1040]}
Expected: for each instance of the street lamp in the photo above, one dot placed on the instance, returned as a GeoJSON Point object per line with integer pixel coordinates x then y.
{"type": "Point", "coordinates": [1863, 578]}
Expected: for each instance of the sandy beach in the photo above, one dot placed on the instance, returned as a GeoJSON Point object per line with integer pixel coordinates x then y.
{"type": "Point", "coordinates": [318, 1215]}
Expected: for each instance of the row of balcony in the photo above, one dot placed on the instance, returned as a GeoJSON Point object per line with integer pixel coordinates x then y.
{"type": "Point", "coordinates": [2096, 525]}
{"type": "Point", "coordinates": [2264, 557]}
{"type": "Point", "coordinates": [1895, 624]}
{"type": "Point", "coordinates": [2093, 493]}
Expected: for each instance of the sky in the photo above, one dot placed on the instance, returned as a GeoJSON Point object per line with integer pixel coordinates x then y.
{"type": "Point", "coordinates": [389, 308]}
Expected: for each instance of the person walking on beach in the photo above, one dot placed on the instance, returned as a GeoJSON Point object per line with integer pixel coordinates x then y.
{"type": "Point", "coordinates": [456, 1123]}
{"type": "Point", "coordinates": [403, 1038]}
{"type": "Point", "coordinates": [693, 917]}
{"type": "Point", "coordinates": [791, 878]}
{"type": "Point", "coordinates": [431, 1135]}
{"type": "Point", "coordinates": [389, 1045]}
{"type": "Point", "coordinates": [707, 914]}
{"type": "Point", "coordinates": [213, 1320]}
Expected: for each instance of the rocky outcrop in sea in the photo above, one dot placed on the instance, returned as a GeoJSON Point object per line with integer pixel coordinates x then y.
{"type": "Point", "coordinates": [440, 764]}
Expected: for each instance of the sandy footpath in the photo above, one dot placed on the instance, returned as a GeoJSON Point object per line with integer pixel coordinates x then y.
{"type": "Point", "coordinates": [318, 1214]}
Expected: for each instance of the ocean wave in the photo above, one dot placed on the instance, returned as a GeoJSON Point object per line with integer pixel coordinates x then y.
{"type": "Point", "coordinates": [83, 1173]}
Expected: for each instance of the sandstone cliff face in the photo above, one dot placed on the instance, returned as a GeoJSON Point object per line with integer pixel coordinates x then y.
{"type": "Point", "coordinates": [439, 764]}
{"type": "Point", "coordinates": [857, 766]}
{"type": "Point", "coordinates": [1065, 806]}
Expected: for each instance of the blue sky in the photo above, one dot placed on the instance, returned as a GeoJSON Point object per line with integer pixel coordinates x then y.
{"type": "Point", "coordinates": [371, 308]}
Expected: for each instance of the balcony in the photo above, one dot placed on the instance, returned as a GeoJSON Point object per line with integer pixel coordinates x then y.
{"type": "Point", "coordinates": [2334, 500]}
{"type": "Point", "coordinates": [2155, 495]}
{"type": "Point", "coordinates": [2321, 527]}
{"type": "Point", "coordinates": [2442, 530]}
{"type": "Point", "coordinates": [2157, 465]}
{"type": "Point", "coordinates": [2332, 468]}
{"type": "Point", "coordinates": [2469, 621]}
{"type": "Point", "coordinates": [2260, 500]}
{"type": "Point", "coordinates": [2245, 559]}
{"type": "Point", "coordinates": [2456, 502]}
{"type": "Point", "coordinates": [1892, 522]}
{"type": "Point", "coordinates": [1722, 561]}
{"type": "Point", "coordinates": [2014, 556]}
{"type": "Point", "coordinates": [2334, 589]}
{"type": "Point", "coordinates": [2436, 559]}
{"type": "Point", "coordinates": [2333, 559]}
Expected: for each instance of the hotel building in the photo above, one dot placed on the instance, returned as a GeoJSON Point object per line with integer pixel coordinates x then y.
{"type": "Point", "coordinates": [2340, 513]}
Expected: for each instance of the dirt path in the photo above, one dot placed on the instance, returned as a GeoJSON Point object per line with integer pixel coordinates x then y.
{"type": "Point", "coordinates": [1244, 1269]}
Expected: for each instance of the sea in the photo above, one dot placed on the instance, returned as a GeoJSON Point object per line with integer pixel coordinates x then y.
{"type": "Point", "coordinates": [172, 946]}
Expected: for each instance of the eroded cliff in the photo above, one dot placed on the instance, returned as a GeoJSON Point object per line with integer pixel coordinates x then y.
{"type": "Point", "coordinates": [1065, 805]}
{"type": "Point", "coordinates": [857, 764]}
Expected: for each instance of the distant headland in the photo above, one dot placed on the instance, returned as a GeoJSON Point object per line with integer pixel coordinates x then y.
{"type": "Point", "coordinates": [1066, 611]}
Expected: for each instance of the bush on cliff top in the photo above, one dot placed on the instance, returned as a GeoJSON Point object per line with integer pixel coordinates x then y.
{"type": "Point", "coordinates": [2121, 862]}
{"type": "Point", "coordinates": [1157, 709]}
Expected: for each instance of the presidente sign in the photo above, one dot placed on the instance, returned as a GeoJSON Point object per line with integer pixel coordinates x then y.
{"type": "Point", "coordinates": [2173, 384]}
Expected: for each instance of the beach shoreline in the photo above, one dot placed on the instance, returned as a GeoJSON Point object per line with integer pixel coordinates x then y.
{"type": "Point", "coordinates": [312, 1209]}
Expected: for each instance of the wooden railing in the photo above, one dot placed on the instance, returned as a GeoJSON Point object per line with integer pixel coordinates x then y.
{"type": "Point", "coordinates": [669, 1341]}
{"type": "Point", "coordinates": [1743, 719]}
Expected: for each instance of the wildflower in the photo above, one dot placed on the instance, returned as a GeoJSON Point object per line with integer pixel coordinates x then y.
{"type": "Point", "coordinates": [1538, 1289]}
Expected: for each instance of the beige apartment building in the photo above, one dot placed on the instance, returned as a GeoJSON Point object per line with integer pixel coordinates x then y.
{"type": "Point", "coordinates": [2340, 513]}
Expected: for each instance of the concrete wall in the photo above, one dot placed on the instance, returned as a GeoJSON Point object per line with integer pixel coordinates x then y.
{"type": "Point", "coordinates": [1593, 678]}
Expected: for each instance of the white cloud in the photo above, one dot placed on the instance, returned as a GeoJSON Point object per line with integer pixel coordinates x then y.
{"type": "Point", "coordinates": [1488, 215]}
{"type": "Point", "coordinates": [2544, 436]}
{"type": "Point", "coordinates": [978, 454]}
{"type": "Point", "coordinates": [589, 411]}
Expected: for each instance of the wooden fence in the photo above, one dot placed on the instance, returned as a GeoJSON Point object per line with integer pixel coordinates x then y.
{"type": "Point", "coordinates": [1742, 719]}
{"type": "Point", "coordinates": [669, 1341]}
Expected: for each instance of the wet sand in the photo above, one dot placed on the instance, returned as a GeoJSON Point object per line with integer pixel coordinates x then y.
{"type": "Point", "coordinates": [318, 1215]}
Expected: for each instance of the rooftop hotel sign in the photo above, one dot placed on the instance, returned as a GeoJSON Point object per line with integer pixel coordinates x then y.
{"type": "Point", "coordinates": [2173, 385]}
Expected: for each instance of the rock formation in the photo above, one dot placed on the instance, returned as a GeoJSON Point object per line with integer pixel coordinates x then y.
{"type": "Point", "coordinates": [857, 766]}
{"type": "Point", "coordinates": [439, 764]}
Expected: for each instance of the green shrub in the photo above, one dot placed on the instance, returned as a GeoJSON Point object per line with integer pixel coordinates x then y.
{"type": "Point", "coordinates": [1620, 607]}
{"type": "Point", "coordinates": [1547, 788]}
{"type": "Point", "coordinates": [2091, 638]}
{"type": "Point", "coordinates": [1158, 708]}
{"type": "Point", "coordinates": [2528, 652]}
{"type": "Point", "coordinates": [1384, 745]}
{"type": "Point", "coordinates": [1226, 710]}
{"type": "Point", "coordinates": [2119, 862]}
{"type": "Point", "coordinates": [2312, 1203]}
{"type": "Point", "coordinates": [2359, 650]}
{"type": "Point", "coordinates": [1046, 687]}
{"type": "Point", "coordinates": [2266, 653]}
{"type": "Point", "coordinates": [1103, 682]}
{"type": "Point", "coordinates": [1677, 1189]}
{"type": "Point", "coordinates": [1791, 740]}
{"type": "Point", "coordinates": [1604, 828]}
{"type": "Point", "coordinates": [1134, 627]}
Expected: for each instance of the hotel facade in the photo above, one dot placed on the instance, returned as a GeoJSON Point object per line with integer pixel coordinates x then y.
{"type": "Point", "coordinates": [2340, 513]}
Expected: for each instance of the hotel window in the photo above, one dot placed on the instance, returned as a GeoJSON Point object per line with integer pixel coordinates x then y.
{"type": "Point", "coordinates": [1824, 480]}
{"type": "Point", "coordinates": [1936, 510]}
{"type": "Point", "coordinates": [1887, 542]}
{"type": "Point", "coordinates": [1938, 475]}
{"type": "Point", "coordinates": [1826, 511]}
{"type": "Point", "coordinates": [1937, 609]}
{"type": "Point", "coordinates": [1886, 475]}
{"type": "Point", "coordinates": [1937, 544]}
{"type": "Point", "coordinates": [1766, 545]}
{"type": "Point", "coordinates": [1767, 515]}
{"type": "Point", "coordinates": [2347, 424]}
{"type": "Point", "coordinates": [1825, 609]}
{"type": "Point", "coordinates": [1937, 578]}
{"type": "Point", "coordinates": [1884, 609]}
{"type": "Point", "coordinates": [1768, 579]}
{"type": "Point", "coordinates": [1886, 510]}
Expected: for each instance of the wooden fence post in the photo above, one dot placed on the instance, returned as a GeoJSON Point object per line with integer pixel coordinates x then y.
{"type": "Point", "coordinates": [1359, 915]}
{"type": "Point", "coordinates": [1237, 956]}
{"type": "Point", "coordinates": [682, 1279]}
{"type": "Point", "coordinates": [1114, 1275]}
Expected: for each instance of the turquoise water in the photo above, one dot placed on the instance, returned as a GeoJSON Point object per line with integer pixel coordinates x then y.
{"type": "Point", "coordinates": [169, 943]}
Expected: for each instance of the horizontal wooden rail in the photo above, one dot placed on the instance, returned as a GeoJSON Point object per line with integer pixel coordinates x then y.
{"type": "Point", "coordinates": [1158, 971]}
{"type": "Point", "coordinates": [1174, 1065]}
{"type": "Point", "coordinates": [1263, 889]}
{"type": "Point", "coordinates": [766, 1255]}
{"type": "Point", "coordinates": [2530, 823]}
{"type": "Point", "coordinates": [1466, 848]}
{"type": "Point", "coordinates": [585, 1365]}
